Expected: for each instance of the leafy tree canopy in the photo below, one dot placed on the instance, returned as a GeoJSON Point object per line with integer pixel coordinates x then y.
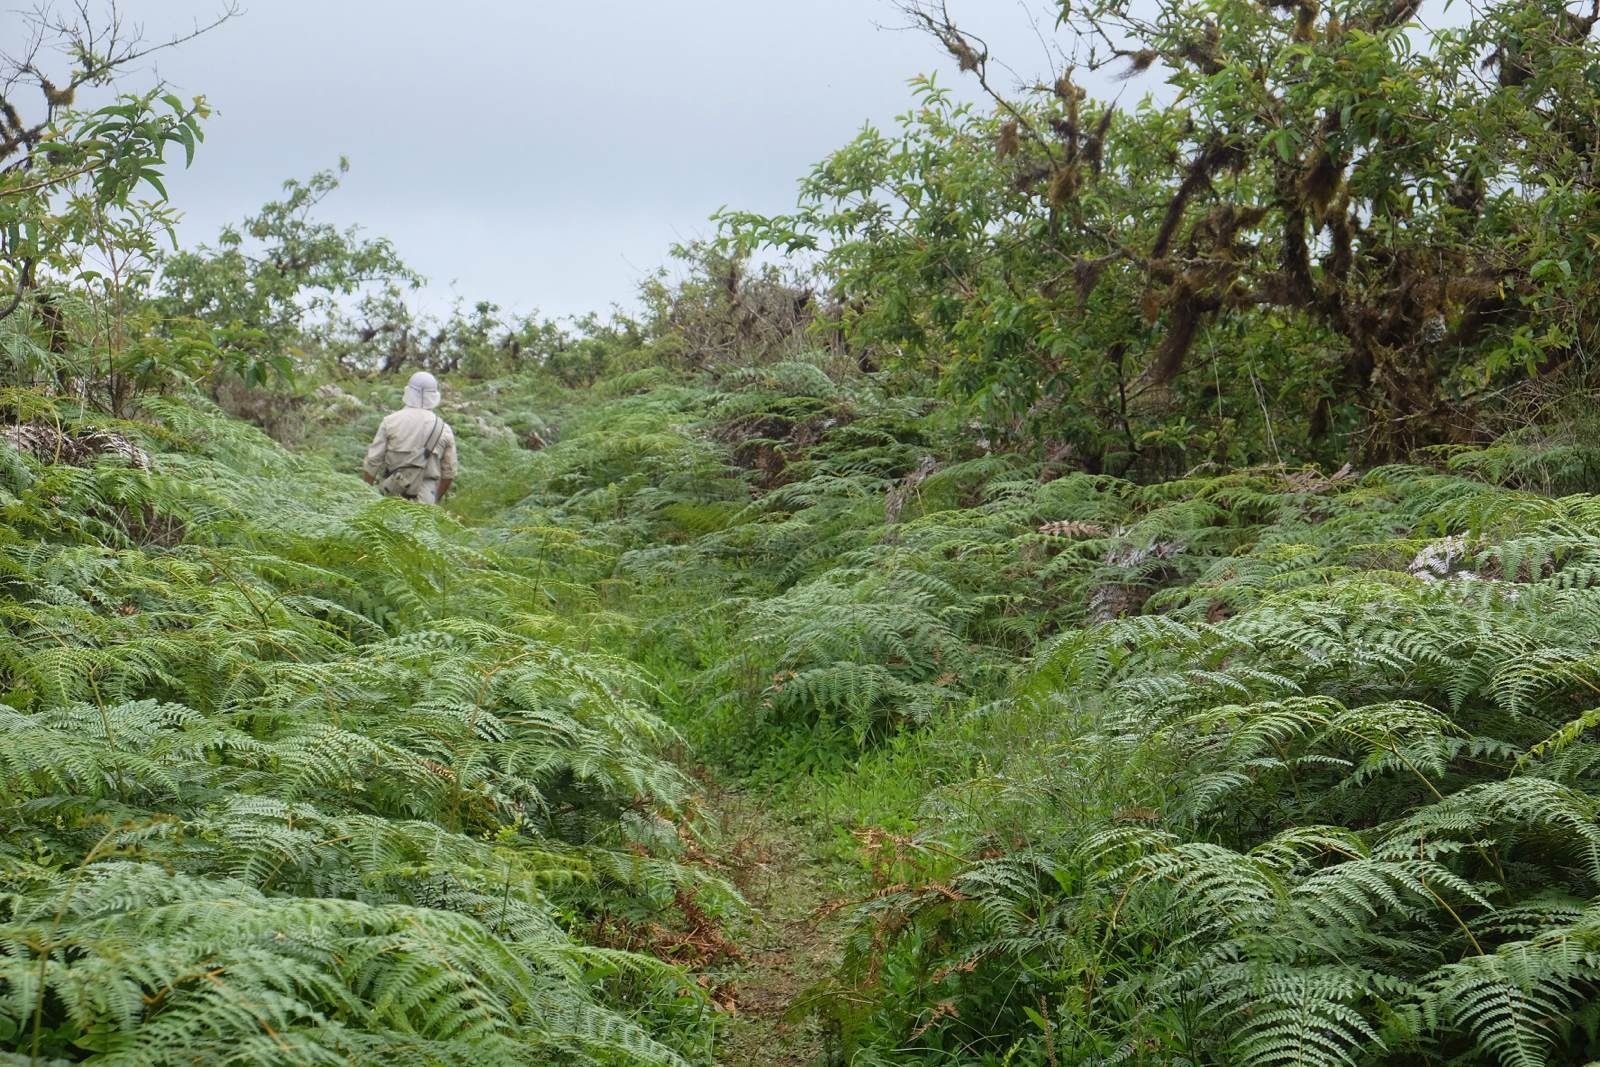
{"type": "Point", "coordinates": [1340, 234]}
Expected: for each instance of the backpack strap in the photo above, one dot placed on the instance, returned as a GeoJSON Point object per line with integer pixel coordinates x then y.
{"type": "Point", "coordinates": [433, 439]}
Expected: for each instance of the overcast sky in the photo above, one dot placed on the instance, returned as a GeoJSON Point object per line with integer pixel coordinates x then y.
{"type": "Point", "coordinates": [545, 153]}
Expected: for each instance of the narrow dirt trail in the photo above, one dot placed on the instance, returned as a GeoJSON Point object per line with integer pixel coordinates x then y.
{"type": "Point", "coordinates": [789, 944]}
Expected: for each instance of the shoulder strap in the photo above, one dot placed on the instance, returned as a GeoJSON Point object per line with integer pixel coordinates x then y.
{"type": "Point", "coordinates": [433, 438]}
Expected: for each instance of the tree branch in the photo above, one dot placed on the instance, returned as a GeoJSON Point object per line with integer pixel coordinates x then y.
{"type": "Point", "coordinates": [24, 283]}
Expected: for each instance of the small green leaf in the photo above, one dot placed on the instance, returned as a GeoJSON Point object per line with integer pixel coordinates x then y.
{"type": "Point", "coordinates": [153, 178]}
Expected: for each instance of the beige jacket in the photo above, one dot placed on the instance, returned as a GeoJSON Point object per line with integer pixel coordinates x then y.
{"type": "Point", "coordinates": [408, 431]}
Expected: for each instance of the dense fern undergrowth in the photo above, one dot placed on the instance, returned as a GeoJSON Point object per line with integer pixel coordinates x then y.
{"type": "Point", "coordinates": [1252, 767]}
{"type": "Point", "coordinates": [929, 515]}
{"type": "Point", "coordinates": [1258, 767]}
{"type": "Point", "coordinates": [290, 774]}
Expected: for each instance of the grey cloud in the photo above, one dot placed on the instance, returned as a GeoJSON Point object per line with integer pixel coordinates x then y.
{"type": "Point", "coordinates": [541, 154]}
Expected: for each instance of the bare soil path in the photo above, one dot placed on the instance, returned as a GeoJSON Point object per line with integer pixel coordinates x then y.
{"type": "Point", "coordinates": [791, 941]}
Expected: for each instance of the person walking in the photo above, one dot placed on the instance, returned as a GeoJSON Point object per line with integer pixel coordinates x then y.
{"type": "Point", "coordinates": [414, 453]}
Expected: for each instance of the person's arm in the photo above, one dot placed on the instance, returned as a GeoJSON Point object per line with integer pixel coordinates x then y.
{"type": "Point", "coordinates": [447, 463]}
{"type": "Point", "coordinates": [372, 464]}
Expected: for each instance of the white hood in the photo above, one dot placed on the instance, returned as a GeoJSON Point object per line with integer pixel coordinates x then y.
{"type": "Point", "coordinates": [422, 391]}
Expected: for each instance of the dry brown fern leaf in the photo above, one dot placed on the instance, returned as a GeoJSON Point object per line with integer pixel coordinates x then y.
{"type": "Point", "coordinates": [49, 444]}
{"type": "Point", "coordinates": [1073, 528]}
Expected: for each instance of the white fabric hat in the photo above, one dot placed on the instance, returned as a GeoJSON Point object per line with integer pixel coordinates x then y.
{"type": "Point", "coordinates": [422, 391]}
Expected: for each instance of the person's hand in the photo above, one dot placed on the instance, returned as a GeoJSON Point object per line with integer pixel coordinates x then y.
{"type": "Point", "coordinates": [368, 478]}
